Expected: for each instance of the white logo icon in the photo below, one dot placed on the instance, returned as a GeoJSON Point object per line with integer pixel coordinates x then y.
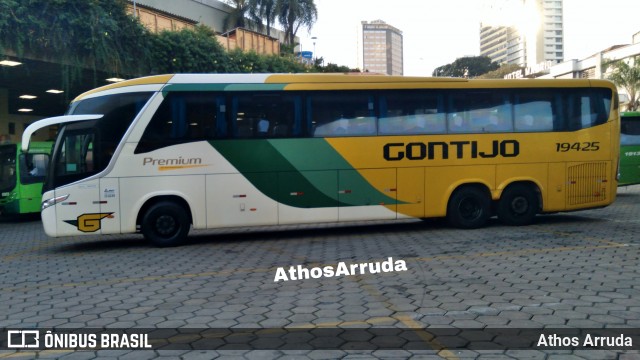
{"type": "Point", "coordinates": [22, 339]}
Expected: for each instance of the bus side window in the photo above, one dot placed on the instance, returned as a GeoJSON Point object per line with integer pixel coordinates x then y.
{"type": "Point", "coordinates": [581, 112]}
{"type": "Point", "coordinates": [7, 167]}
{"type": "Point", "coordinates": [412, 112]}
{"type": "Point", "coordinates": [479, 111]}
{"type": "Point", "coordinates": [342, 114]}
{"type": "Point", "coordinates": [630, 130]}
{"type": "Point", "coordinates": [265, 115]}
{"type": "Point", "coordinates": [587, 116]}
{"type": "Point", "coordinates": [183, 117]}
{"type": "Point", "coordinates": [595, 106]}
{"type": "Point", "coordinates": [533, 111]}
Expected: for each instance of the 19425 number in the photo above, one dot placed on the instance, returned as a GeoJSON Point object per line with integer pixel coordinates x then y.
{"type": "Point", "coordinates": [578, 146]}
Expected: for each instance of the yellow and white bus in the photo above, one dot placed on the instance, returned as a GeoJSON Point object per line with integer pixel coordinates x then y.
{"type": "Point", "coordinates": [163, 153]}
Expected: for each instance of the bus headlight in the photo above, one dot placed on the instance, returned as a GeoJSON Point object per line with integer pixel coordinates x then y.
{"type": "Point", "coordinates": [50, 202]}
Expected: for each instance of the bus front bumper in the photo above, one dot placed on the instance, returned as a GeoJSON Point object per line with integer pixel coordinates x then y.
{"type": "Point", "coordinates": [49, 221]}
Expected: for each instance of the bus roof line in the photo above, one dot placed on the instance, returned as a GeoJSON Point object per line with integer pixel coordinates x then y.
{"type": "Point", "coordinates": [155, 79]}
{"type": "Point", "coordinates": [356, 78]}
{"type": "Point", "coordinates": [26, 136]}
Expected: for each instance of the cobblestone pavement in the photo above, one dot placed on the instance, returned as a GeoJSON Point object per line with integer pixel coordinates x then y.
{"type": "Point", "coordinates": [577, 270]}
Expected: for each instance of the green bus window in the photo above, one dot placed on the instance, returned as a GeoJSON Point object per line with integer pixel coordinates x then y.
{"type": "Point", "coordinates": [7, 168]}
{"type": "Point", "coordinates": [630, 130]}
{"type": "Point", "coordinates": [411, 113]}
{"type": "Point", "coordinates": [33, 167]}
{"type": "Point", "coordinates": [342, 114]}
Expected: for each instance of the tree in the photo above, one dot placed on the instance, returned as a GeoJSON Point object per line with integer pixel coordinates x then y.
{"type": "Point", "coordinates": [263, 9]}
{"type": "Point", "coordinates": [295, 13]}
{"type": "Point", "coordinates": [237, 18]}
{"type": "Point", "coordinates": [470, 66]}
{"type": "Point", "coordinates": [100, 35]}
{"type": "Point", "coordinates": [627, 76]}
{"type": "Point", "coordinates": [188, 50]}
{"type": "Point", "coordinates": [501, 72]}
{"type": "Point", "coordinates": [79, 34]}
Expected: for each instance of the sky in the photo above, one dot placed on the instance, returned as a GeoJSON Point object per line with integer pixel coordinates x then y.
{"type": "Point", "coordinates": [436, 33]}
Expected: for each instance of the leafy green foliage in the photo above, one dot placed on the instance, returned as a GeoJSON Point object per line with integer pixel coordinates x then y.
{"type": "Point", "coordinates": [626, 75]}
{"type": "Point", "coordinates": [503, 70]}
{"type": "Point", "coordinates": [237, 18]}
{"type": "Point", "coordinates": [188, 51]}
{"type": "Point", "coordinates": [100, 35]}
{"type": "Point", "coordinates": [334, 68]}
{"type": "Point", "coordinates": [293, 14]}
{"type": "Point", "coordinates": [470, 66]}
{"type": "Point", "coordinates": [77, 32]}
{"type": "Point", "coordinates": [263, 10]}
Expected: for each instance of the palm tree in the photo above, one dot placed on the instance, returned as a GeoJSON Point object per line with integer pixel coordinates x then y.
{"type": "Point", "coordinates": [295, 13]}
{"type": "Point", "coordinates": [237, 18]}
{"type": "Point", "coordinates": [263, 9]}
{"type": "Point", "coordinates": [627, 77]}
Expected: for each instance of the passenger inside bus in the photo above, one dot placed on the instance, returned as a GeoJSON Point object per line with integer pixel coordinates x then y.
{"type": "Point", "coordinates": [263, 126]}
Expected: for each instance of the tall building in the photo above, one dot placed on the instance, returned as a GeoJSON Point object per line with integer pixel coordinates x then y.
{"type": "Point", "coordinates": [382, 50]}
{"type": "Point", "coordinates": [502, 44]}
{"type": "Point", "coordinates": [523, 32]}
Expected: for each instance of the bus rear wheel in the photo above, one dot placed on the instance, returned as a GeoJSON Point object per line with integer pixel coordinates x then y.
{"type": "Point", "coordinates": [165, 224]}
{"type": "Point", "coordinates": [469, 208]}
{"type": "Point", "coordinates": [518, 205]}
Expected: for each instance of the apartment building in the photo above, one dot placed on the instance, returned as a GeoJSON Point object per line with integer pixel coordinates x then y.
{"type": "Point", "coordinates": [382, 50]}
{"type": "Point", "coordinates": [523, 32]}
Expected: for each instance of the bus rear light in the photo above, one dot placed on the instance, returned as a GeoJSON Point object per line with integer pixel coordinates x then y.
{"type": "Point", "coordinates": [50, 202]}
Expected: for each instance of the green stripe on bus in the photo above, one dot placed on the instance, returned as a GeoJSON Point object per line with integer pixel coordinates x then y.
{"type": "Point", "coordinates": [221, 87]}
{"type": "Point", "coordinates": [308, 171]}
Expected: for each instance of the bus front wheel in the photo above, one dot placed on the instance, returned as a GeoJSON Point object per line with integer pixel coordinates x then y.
{"type": "Point", "coordinates": [469, 208]}
{"type": "Point", "coordinates": [518, 205]}
{"type": "Point", "coordinates": [165, 224]}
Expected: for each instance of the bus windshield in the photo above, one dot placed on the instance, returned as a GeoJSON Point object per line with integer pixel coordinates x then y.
{"type": "Point", "coordinates": [86, 148]}
{"type": "Point", "coordinates": [7, 168]}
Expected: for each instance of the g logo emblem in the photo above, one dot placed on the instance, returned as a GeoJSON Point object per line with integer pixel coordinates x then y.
{"type": "Point", "coordinates": [89, 222]}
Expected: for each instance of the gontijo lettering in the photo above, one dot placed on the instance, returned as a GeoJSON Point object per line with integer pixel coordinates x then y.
{"type": "Point", "coordinates": [441, 149]}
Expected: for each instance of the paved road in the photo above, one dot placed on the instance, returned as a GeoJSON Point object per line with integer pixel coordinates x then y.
{"type": "Point", "coordinates": [577, 270]}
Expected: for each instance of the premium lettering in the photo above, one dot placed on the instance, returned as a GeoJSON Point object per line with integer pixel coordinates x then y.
{"type": "Point", "coordinates": [452, 149]}
{"type": "Point", "coordinates": [171, 162]}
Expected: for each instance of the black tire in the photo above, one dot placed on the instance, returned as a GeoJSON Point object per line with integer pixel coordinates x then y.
{"type": "Point", "coordinates": [518, 205]}
{"type": "Point", "coordinates": [165, 224]}
{"type": "Point", "coordinates": [469, 208]}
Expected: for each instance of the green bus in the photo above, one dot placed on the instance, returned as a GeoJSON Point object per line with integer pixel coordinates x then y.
{"type": "Point", "coordinates": [629, 148]}
{"type": "Point", "coordinates": [21, 177]}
